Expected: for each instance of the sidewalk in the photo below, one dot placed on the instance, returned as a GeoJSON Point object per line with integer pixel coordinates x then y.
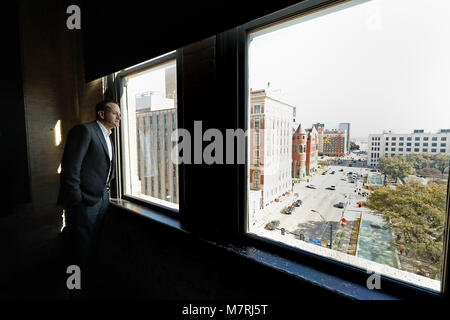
{"type": "Point", "coordinates": [342, 237]}
{"type": "Point", "coordinates": [272, 211]}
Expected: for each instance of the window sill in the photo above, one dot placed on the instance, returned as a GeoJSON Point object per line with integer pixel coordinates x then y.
{"type": "Point", "coordinates": [148, 213]}
{"type": "Point", "coordinates": [338, 285]}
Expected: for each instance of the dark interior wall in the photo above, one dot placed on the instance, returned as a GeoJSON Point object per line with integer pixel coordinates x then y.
{"type": "Point", "coordinates": [46, 83]}
{"type": "Point", "coordinates": [54, 90]}
{"type": "Point", "coordinates": [140, 258]}
{"type": "Point", "coordinates": [13, 161]}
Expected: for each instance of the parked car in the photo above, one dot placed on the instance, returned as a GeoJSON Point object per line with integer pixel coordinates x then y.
{"type": "Point", "coordinates": [272, 225]}
{"type": "Point", "coordinates": [297, 203]}
{"type": "Point", "coordinates": [341, 170]}
{"type": "Point", "coordinates": [332, 172]}
{"type": "Point", "coordinates": [340, 205]}
{"type": "Point", "coordinates": [289, 210]}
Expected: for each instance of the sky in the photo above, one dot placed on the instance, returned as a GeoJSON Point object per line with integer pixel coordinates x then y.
{"type": "Point", "coordinates": [380, 65]}
{"type": "Point", "coordinates": [152, 80]}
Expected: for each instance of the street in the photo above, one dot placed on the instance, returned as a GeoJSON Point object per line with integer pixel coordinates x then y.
{"type": "Point", "coordinates": [319, 214]}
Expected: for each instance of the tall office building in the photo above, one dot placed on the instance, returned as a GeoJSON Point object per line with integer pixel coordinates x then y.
{"type": "Point", "coordinates": [312, 150]}
{"type": "Point", "coordinates": [346, 126]}
{"type": "Point", "coordinates": [320, 127]}
{"type": "Point", "coordinates": [157, 174]}
{"type": "Point", "coordinates": [156, 119]}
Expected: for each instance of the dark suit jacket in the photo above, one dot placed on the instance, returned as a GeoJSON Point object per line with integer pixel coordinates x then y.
{"type": "Point", "coordinates": [85, 166]}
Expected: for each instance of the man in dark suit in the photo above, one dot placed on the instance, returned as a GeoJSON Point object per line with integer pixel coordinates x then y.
{"type": "Point", "coordinates": [87, 169]}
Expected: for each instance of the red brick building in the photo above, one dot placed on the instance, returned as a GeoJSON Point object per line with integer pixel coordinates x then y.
{"type": "Point", "coordinates": [305, 151]}
{"type": "Point", "coordinates": [299, 153]}
{"type": "Point", "coordinates": [334, 143]}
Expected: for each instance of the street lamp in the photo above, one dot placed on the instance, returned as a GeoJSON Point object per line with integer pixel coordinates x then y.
{"type": "Point", "coordinates": [331, 235]}
{"type": "Point", "coordinates": [331, 227]}
{"type": "Point", "coordinates": [319, 214]}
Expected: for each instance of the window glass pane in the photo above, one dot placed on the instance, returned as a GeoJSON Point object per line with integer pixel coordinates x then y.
{"type": "Point", "coordinates": [149, 106]}
{"type": "Point", "coordinates": [332, 193]}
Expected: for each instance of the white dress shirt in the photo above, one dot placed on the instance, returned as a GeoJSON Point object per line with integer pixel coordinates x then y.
{"type": "Point", "coordinates": [106, 134]}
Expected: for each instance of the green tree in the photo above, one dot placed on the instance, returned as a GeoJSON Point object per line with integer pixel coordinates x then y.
{"type": "Point", "coordinates": [396, 167]}
{"type": "Point", "coordinates": [441, 161]}
{"type": "Point", "coordinates": [353, 146]}
{"type": "Point", "coordinates": [418, 160]}
{"type": "Point", "coordinates": [418, 212]}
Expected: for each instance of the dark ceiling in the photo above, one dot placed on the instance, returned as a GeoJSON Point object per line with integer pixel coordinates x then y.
{"type": "Point", "coordinates": [117, 35]}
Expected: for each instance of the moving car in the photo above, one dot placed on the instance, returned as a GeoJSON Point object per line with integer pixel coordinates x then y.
{"type": "Point", "coordinates": [331, 188]}
{"type": "Point", "coordinates": [340, 205]}
{"type": "Point", "coordinates": [311, 186]}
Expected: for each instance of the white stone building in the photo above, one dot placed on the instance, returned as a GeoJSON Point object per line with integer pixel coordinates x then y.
{"type": "Point", "coordinates": [271, 121]}
{"type": "Point", "coordinates": [391, 144]}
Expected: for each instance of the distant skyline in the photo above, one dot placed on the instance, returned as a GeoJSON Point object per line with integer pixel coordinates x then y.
{"type": "Point", "coordinates": [379, 65]}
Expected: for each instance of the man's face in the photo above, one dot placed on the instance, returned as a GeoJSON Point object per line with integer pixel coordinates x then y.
{"type": "Point", "coordinates": [111, 115]}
